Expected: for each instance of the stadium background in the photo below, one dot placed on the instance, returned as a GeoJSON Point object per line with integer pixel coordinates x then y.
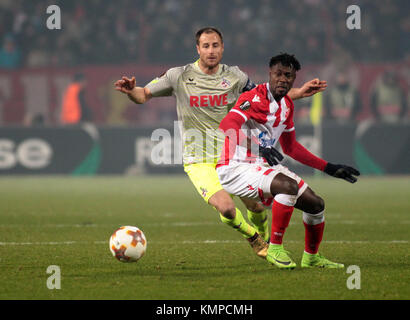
{"type": "Point", "coordinates": [144, 38]}
{"type": "Point", "coordinates": [50, 216]}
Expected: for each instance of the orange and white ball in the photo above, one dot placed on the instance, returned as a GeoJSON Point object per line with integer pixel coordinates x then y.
{"type": "Point", "coordinates": [128, 244]}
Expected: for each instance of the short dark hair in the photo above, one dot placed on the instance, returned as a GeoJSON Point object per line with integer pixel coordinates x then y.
{"type": "Point", "coordinates": [285, 59]}
{"type": "Point", "coordinates": [208, 30]}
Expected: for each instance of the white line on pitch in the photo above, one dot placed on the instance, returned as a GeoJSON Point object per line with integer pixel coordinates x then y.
{"type": "Point", "coordinates": [183, 224]}
{"type": "Point", "coordinates": [198, 242]}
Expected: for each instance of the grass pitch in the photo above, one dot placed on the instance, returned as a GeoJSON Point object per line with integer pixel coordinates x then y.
{"type": "Point", "coordinates": [191, 255]}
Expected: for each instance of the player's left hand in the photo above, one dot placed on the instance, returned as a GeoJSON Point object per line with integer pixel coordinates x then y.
{"type": "Point", "coordinates": [271, 155]}
{"type": "Point", "coordinates": [312, 87]}
{"type": "Point", "coordinates": [341, 171]}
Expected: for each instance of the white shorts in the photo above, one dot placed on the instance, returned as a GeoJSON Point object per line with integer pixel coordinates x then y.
{"type": "Point", "coordinates": [249, 180]}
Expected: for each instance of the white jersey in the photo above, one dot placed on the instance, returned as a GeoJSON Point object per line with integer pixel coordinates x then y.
{"type": "Point", "coordinates": [202, 102]}
{"type": "Point", "coordinates": [256, 120]}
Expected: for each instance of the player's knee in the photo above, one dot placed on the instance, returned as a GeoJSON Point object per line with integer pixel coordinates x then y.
{"type": "Point", "coordinates": [255, 207]}
{"type": "Point", "coordinates": [224, 204]}
{"type": "Point", "coordinates": [318, 206]}
{"type": "Point", "coordinates": [227, 210]}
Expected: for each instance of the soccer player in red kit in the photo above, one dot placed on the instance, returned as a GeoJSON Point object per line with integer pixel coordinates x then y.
{"type": "Point", "coordinates": [249, 165]}
{"type": "Point", "coordinates": [205, 91]}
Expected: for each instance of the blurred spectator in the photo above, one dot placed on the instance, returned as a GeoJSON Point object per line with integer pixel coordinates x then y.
{"type": "Point", "coordinates": [117, 104]}
{"type": "Point", "coordinates": [9, 54]}
{"type": "Point", "coordinates": [302, 110]}
{"type": "Point", "coordinates": [38, 56]}
{"type": "Point", "coordinates": [303, 106]}
{"type": "Point", "coordinates": [160, 32]}
{"type": "Point", "coordinates": [404, 43]}
{"type": "Point", "coordinates": [157, 31]}
{"type": "Point", "coordinates": [36, 120]}
{"type": "Point", "coordinates": [388, 99]}
{"type": "Point", "coordinates": [74, 108]}
{"type": "Point", "coordinates": [341, 101]}
{"type": "Point", "coordinates": [341, 62]}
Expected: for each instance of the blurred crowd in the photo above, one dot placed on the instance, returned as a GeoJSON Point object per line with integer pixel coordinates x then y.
{"type": "Point", "coordinates": [162, 32]}
{"type": "Point", "coordinates": [388, 100]}
{"type": "Point", "coordinates": [151, 31]}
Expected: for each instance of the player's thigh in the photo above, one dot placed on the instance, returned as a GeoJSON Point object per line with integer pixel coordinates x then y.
{"type": "Point", "coordinates": [242, 180]}
{"type": "Point", "coordinates": [205, 179]}
{"type": "Point", "coordinates": [249, 181]}
{"type": "Point", "coordinates": [282, 180]}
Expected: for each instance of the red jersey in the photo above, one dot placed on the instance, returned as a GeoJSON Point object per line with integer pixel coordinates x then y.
{"type": "Point", "coordinates": [257, 119]}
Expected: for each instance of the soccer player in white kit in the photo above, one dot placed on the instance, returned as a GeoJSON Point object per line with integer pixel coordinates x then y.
{"type": "Point", "coordinates": [249, 165]}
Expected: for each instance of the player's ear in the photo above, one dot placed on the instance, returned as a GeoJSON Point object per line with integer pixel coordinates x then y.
{"type": "Point", "coordinates": [197, 49]}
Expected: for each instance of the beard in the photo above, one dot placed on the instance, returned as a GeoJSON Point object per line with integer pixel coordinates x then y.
{"type": "Point", "coordinates": [210, 64]}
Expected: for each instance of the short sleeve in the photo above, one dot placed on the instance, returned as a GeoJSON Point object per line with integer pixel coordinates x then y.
{"type": "Point", "coordinates": [165, 84]}
{"type": "Point", "coordinates": [245, 84]}
{"type": "Point", "coordinates": [243, 106]}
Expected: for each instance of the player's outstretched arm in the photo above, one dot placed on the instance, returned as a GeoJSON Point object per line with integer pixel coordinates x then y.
{"type": "Point", "coordinates": [298, 152]}
{"type": "Point", "coordinates": [308, 89]}
{"type": "Point", "coordinates": [136, 94]}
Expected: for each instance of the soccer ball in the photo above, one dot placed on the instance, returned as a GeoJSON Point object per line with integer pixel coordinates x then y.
{"type": "Point", "coordinates": [128, 244]}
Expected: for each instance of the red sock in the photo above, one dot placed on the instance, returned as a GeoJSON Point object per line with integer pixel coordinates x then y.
{"type": "Point", "coordinates": [281, 215]}
{"type": "Point", "coordinates": [313, 236]}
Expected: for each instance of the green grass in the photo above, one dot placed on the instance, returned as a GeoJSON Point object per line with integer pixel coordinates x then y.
{"type": "Point", "coordinates": [191, 254]}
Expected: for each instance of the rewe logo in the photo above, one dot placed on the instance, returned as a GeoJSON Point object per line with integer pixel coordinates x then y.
{"type": "Point", "coordinates": [208, 100]}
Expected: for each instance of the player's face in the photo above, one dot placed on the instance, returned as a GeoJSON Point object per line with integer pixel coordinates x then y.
{"type": "Point", "coordinates": [281, 80]}
{"type": "Point", "coordinates": [210, 49]}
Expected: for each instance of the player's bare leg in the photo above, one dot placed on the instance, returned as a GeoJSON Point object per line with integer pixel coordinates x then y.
{"type": "Point", "coordinates": [223, 202]}
{"type": "Point", "coordinates": [232, 216]}
{"type": "Point", "coordinates": [313, 208]}
{"type": "Point", "coordinates": [257, 216]}
{"type": "Point", "coordinates": [310, 202]}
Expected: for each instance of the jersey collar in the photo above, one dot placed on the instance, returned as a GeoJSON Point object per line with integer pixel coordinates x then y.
{"type": "Point", "coordinates": [273, 105]}
{"type": "Point", "coordinates": [218, 72]}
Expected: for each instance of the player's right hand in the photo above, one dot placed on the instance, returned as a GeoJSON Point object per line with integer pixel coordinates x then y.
{"type": "Point", "coordinates": [271, 155]}
{"type": "Point", "coordinates": [125, 85]}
